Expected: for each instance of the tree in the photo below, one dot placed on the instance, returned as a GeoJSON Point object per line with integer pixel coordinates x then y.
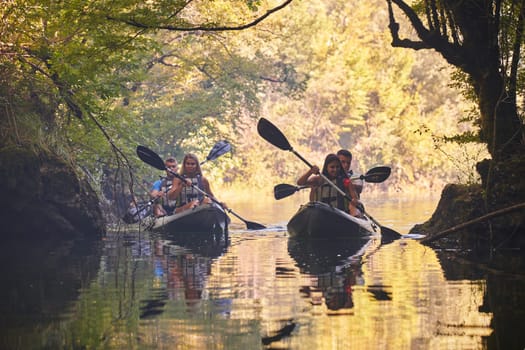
{"type": "Point", "coordinates": [382, 103]}
{"type": "Point", "coordinates": [70, 68]}
{"type": "Point", "coordinates": [484, 40]}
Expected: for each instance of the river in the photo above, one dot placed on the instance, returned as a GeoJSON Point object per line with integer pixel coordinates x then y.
{"type": "Point", "coordinates": [257, 290]}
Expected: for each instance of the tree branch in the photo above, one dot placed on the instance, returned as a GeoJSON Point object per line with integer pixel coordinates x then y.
{"type": "Point", "coordinates": [518, 38]}
{"type": "Point", "coordinates": [120, 155]}
{"type": "Point", "coordinates": [394, 27]}
{"type": "Point", "coordinates": [456, 228]}
{"type": "Point", "coordinates": [430, 39]}
{"type": "Point", "coordinates": [204, 27]}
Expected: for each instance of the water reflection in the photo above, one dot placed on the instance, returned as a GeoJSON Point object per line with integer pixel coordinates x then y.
{"type": "Point", "coordinates": [260, 280]}
{"type": "Point", "coordinates": [396, 292]}
{"type": "Point", "coordinates": [40, 280]}
{"type": "Point", "coordinates": [255, 290]}
{"type": "Point", "coordinates": [503, 295]}
{"type": "Point", "coordinates": [182, 266]}
{"type": "Point", "coordinates": [318, 256]}
{"type": "Point", "coordinates": [334, 267]}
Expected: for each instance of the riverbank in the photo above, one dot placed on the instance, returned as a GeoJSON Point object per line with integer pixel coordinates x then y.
{"type": "Point", "coordinates": [481, 217]}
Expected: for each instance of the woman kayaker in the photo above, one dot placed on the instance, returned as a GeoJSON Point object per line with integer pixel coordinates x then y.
{"type": "Point", "coordinates": [184, 192]}
{"type": "Point", "coordinates": [324, 192]}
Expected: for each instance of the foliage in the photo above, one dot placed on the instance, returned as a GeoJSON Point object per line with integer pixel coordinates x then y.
{"type": "Point", "coordinates": [94, 79]}
{"type": "Point", "coordinates": [385, 105]}
{"type": "Point", "coordinates": [484, 40]}
{"type": "Point", "coordinates": [76, 69]}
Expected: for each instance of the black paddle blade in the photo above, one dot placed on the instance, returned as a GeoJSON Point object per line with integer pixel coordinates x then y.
{"type": "Point", "coordinates": [377, 174]}
{"type": "Point", "coordinates": [389, 235]}
{"type": "Point", "coordinates": [250, 225]}
{"type": "Point", "coordinates": [281, 191]}
{"type": "Point", "coordinates": [220, 148]}
{"type": "Point", "coordinates": [273, 135]}
{"type": "Point", "coordinates": [150, 157]}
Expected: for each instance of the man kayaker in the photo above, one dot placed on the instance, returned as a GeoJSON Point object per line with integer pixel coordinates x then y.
{"type": "Point", "coordinates": [345, 156]}
{"type": "Point", "coordinates": [163, 205]}
{"type": "Point", "coordinates": [324, 192]}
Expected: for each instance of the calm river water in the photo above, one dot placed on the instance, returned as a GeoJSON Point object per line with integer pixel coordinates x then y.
{"type": "Point", "coordinates": [257, 290]}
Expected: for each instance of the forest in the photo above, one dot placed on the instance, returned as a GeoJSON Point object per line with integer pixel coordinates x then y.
{"type": "Point", "coordinates": [88, 81]}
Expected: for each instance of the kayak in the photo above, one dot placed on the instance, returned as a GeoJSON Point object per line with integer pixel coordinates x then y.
{"type": "Point", "coordinates": [317, 219]}
{"type": "Point", "coordinates": [205, 218]}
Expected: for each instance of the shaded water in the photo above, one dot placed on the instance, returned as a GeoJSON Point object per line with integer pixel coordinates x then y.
{"type": "Point", "coordinates": [257, 290]}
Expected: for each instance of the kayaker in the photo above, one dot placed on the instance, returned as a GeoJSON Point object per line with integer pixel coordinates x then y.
{"type": "Point", "coordinates": [324, 192]}
{"type": "Point", "coordinates": [136, 211]}
{"type": "Point", "coordinates": [345, 156]}
{"type": "Point", "coordinates": [163, 205]}
{"type": "Point", "coordinates": [184, 193]}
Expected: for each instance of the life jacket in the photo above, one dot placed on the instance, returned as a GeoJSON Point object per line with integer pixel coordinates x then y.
{"type": "Point", "coordinates": [189, 193]}
{"type": "Point", "coordinates": [167, 204]}
{"type": "Point", "coordinates": [329, 195]}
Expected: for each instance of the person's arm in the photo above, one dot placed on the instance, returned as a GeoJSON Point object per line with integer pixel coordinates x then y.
{"type": "Point", "coordinates": [206, 186]}
{"type": "Point", "coordinates": [353, 193]}
{"type": "Point", "coordinates": [352, 205]}
{"type": "Point", "coordinates": [305, 180]}
{"type": "Point", "coordinates": [156, 190]}
{"type": "Point", "coordinates": [190, 205]}
{"type": "Point", "coordinates": [176, 189]}
{"type": "Point", "coordinates": [207, 189]}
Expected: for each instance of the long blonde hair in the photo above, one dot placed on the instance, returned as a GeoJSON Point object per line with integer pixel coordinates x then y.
{"type": "Point", "coordinates": [198, 170]}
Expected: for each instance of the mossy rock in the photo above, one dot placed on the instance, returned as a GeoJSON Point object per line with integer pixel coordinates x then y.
{"type": "Point", "coordinates": [43, 197]}
{"type": "Point", "coordinates": [503, 186]}
{"type": "Point", "coordinates": [458, 203]}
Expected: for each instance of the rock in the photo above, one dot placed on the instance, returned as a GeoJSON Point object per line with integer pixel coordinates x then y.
{"type": "Point", "coordinates": [502, 186]}
{"type": "Point", "coordinates": [44, 197]}
{"type": "Point", "coordinates": [458, 203]}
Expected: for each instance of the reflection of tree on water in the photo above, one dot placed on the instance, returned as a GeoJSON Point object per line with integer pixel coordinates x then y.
{"type": "Point", "coordinates": [335, 266]}
{"type": "Point", "coordinates": [504, 295]}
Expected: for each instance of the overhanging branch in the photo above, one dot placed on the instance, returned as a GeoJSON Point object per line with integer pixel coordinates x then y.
{"type": "Point", "coordinates": [429, 39]}
{"type": "Point", "coordinates": [204, 27]}
{"type": "Point", "coordinates": [416, 23]}
{"type": "Point", "coordinates": [464, 225]}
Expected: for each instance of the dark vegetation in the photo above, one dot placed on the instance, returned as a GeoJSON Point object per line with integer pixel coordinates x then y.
{"type": "Point", "coordinates": [484, 40]}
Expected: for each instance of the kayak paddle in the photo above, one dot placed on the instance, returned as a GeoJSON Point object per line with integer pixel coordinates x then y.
{"type": "Point", "coordinates": [273, 135]}
{"type": "Point", "coordinates": [150, 157]}
{"type": "Point", "coordinates": [375, 175]}
{"type": "Point", "coordinates": [281, 191]}
{"type": "Point", "coordinates": [220, 148]}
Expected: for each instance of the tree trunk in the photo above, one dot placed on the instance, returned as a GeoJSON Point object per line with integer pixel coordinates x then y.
{"type": "Point", "coordinates": [471, 41]}
{"type": "Point", "coordinates": [500, 126]}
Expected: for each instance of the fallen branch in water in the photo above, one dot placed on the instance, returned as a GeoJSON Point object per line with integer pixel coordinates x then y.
{"type": "Point", "coordinates": [472, 222]}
